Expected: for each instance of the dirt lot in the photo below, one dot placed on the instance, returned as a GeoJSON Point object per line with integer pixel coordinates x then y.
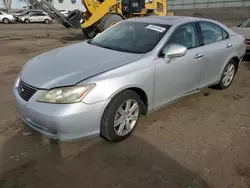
{"type": "Point", "coordinates": [201, 141]}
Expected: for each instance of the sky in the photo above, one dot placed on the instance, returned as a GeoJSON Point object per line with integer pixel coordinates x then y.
{"type": "Point", "coordinates": [15, 3]}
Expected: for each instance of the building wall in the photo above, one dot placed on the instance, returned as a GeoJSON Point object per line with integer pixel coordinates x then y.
{"type": "Point", "coordinates": [222, 10]}
{"type": "Point", "coordinates": [68, 4]}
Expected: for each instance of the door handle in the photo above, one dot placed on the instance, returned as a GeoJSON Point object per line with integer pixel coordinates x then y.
{"type": "Point", "coordinates": [198, 56]}
{"type": "Point", "coordinates": [229, 45]}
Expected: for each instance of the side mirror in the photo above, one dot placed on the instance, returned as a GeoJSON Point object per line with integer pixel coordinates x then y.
{"type": "Point", "coordinates": [174, 51]}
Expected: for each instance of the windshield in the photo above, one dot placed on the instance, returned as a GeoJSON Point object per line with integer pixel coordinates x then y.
{"type": "Point", "coordinates": [247, 24]}
{"type": "Point", "coordinates": [132, 37]}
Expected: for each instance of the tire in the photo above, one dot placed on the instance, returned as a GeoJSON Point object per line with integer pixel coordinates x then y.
{"type": "Point", "coordinates": [108, 20]}
{"type": "Point", "coordinates": [151, 13]}
{"type": "Point", "coordinates": [47, 21]}
{"type": "Point", "coordinates": [6, 21]}
{"type": "Point", "coordinates": [225, 84]}
{"type": "Point", "coordinates": [27, 21]}
{"type": "Point", "coordinates": [75, 17]}
{"type": "Point", "coordinates": [89, 32]}
{"type": "Point", "coordinates": [108, 130]}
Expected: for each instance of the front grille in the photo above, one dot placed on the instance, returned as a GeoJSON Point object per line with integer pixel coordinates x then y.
{"type": "Point", "coordinates": [25, 91]}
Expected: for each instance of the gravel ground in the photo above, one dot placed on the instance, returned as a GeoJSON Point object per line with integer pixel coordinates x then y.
{"type": "Point", "coordinates": [201, 141]}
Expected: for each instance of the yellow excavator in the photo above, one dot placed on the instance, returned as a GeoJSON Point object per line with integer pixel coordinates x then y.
{"type": "Point", "coordinates": [101, 14]}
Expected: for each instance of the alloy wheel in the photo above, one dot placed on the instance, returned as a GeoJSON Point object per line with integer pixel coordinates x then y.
{"type": "Point", "coordinates": [126, 117]}
{"type": "Point", "coordinates": [228, 74]}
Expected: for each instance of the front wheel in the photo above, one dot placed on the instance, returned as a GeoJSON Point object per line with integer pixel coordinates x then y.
{"type": "Point", "coordinates": [6, 20]}
{"type": "Point", "coordinates": [27, 21]}
{"type": "Point", "coordinates": [121, 116]}
{"type": "Point", "coordinates": [89, 32]}
{"type": "Point", "coordinates": [108, 20]}
{"type": "Point", "coordinates": [228, 75]}
{"type": "Point", "coordinates": [46, 21]}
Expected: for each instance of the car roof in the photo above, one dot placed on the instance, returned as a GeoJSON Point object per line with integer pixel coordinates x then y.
{"type": "Point", "coordinates": [170, 20]}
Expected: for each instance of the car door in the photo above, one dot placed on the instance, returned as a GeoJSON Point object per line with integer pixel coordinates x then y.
{"type": "Point", "coordinates": [33, 17]}
{"type": "Point", "coordinates": [217, 48]}
{"type": "Point", "coordinates": [181, 75]}
{"type": "Point", "coordinates": [40, 17]}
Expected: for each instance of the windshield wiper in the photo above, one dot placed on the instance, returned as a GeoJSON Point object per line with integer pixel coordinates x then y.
{"type": "Point", "coordinates": [102, 46]}
{"type": "Point", "coordinates": [107, 47]}
{"type": "Point", "coordinates": [89, 41]}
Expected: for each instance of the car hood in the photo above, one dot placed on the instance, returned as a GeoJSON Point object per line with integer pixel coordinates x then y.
{"type": "Point", "coordinates": [71, 64]}
{"type": "Point", "coordinates": [242, 31]}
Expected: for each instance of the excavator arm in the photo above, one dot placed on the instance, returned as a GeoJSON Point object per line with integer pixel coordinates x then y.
{"type": "Point", "coordinates": [101, 14]}
{"type": "Point", "coordinates": [53, 12]}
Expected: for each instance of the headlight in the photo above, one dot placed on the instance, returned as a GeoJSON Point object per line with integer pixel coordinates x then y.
{"type": "Point", "coordinates": [17, 82]}
{"type": "Point", "coordinates": [66, 95]}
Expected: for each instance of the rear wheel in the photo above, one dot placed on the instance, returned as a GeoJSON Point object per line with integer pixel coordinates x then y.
{"type": "Point", "coordinates": [27, 21]}
{"type": "Point", "coordinates": [6, 20]}
{"type": "Point", "coordinates": [89, 32]}
{"type": "Point", "coordinates": [151, 13]}
{"type": "Point", "coordinates": [108, 20]}
{"type": "Point", "coordinates": [228, 75]}
{"type": "Point", "coordinates": [121, 116]}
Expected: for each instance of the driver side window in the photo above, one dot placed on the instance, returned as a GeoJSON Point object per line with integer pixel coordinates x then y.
{"type": "Point", "coordinates": [185, 35]}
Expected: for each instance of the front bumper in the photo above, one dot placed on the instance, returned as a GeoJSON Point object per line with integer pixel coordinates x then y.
{"type": "Point", "coordinates": [63, 122]}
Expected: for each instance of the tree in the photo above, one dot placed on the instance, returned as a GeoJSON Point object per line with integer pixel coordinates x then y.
{"type": "Point", "coordinates": [32, 3]}
{"type": "Point", "coordinates": [7, 4]}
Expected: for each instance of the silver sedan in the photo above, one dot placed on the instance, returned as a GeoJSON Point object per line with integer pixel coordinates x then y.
{"type": "Point", "coordinates": [6, 18]}
{"type": "Point", "coordinates": [102, 86]}
{"type": "Point", "coordinates": [35, 17]}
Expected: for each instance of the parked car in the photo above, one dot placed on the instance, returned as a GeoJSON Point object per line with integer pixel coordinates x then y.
{"type": "Point", "coordinates": [244, 29]}
{"type": "Point", "coordinates": [102, 86]}
{"type": "Point", "coordinates": [64, 12]}
{"type": "Point", "coordinates": [26, 13]}
{"type": "Point", "coordinates": [35, 17]}
{"type": "Point", "coordinates": [6, 18]}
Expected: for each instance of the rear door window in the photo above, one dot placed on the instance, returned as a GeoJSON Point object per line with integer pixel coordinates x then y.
{"type": "Point", "coordinates": [212, 33]}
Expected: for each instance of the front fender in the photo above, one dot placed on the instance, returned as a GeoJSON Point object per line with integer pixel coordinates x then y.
{"type": "Point", "coordinates": [138, 74]}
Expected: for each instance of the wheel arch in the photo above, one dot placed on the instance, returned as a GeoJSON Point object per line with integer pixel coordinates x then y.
{"type": "Point", "coordinates": [237, 60]}
{"type": "Point", "coordinates": [6, 18]}
{"type": "Point", "coordinates": [233, 57]}
{"type": "Point", "coordinates": [142, 94]}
